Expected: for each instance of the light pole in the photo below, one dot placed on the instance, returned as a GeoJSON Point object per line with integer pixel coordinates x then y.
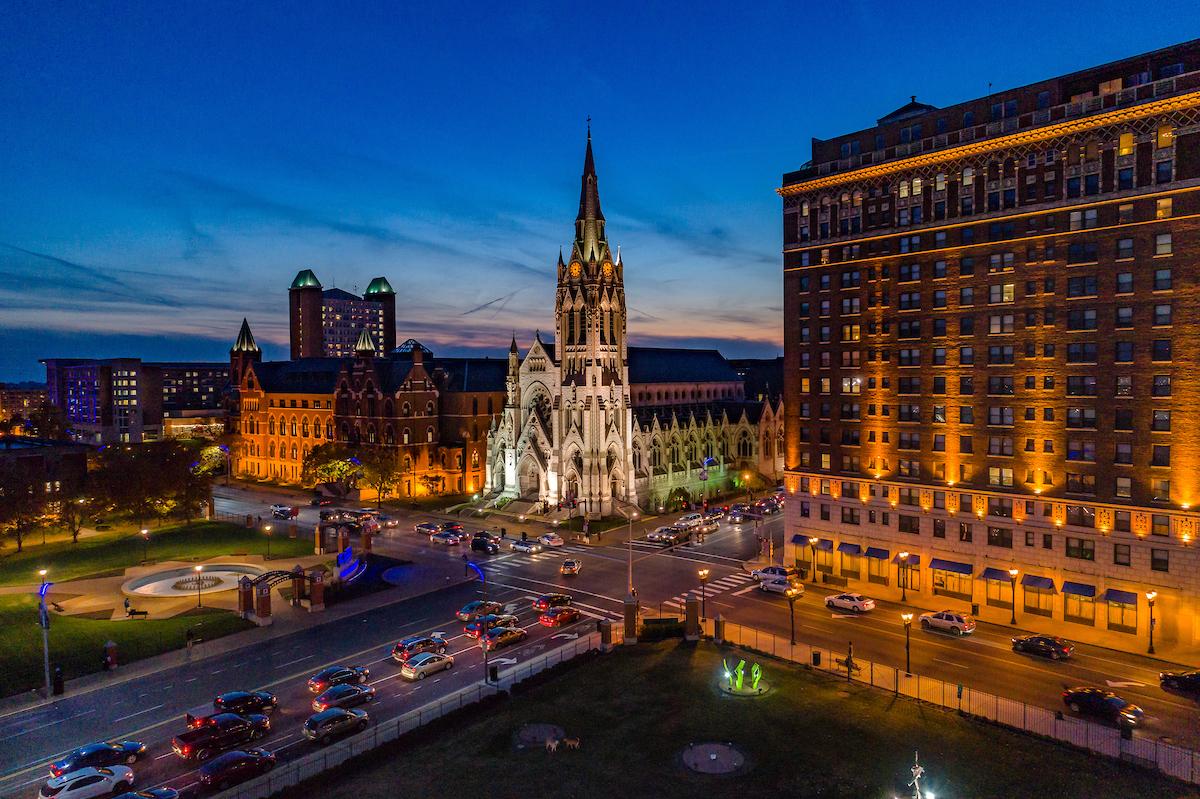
{"type": "Point", "coordinates": [902, 573]}
{"type": "Point", "coordinates": [812, 545]}
{"type": "Point", "coordinates": [483, 627]}
{"type": "Point", "coordinates": [703, 580]}
{"type": "Point", "coordinates": [198, 569]}
{"type": "Point", "coordinates": [1150, 595]}
{"type": "Point", "coordinates": [44, 619]}
{"type": "Point", "coordinates": [631, 517]}
{"type": "Point", "coordinates": [1012, 576]}
{"type": "Point", "coordinates": [145, 545]}
{"type": "Point", "coordinates": [791, 598]}
{"type": "Point", "coordinates": [267, 530]}
{"type": "Point", "coordinates": [907, 618]}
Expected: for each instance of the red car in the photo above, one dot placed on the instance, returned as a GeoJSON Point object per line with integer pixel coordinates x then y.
{"type": "Point", "coordinates": [559, 616]}
{"type": "Point", "coordinates": [474, 629]}
{"type": "Point", "coordinates": [547, 601]}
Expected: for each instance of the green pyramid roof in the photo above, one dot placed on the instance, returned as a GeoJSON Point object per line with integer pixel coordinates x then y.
{"type": "Point", "coordinates": [379, 285]}
{"type": "Point", "coordinates": [305, 279]}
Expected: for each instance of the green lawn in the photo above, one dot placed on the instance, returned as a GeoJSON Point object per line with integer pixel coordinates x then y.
{"type": "Point", "coordinates": [77, 644]}
{"type": "Point", "coordinates": [812, 736]}
{"type": "Point", "coordinates": [111, 551]}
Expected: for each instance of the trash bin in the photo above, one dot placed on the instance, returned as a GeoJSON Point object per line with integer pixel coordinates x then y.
{"type": "Point", "coordinates": [59, 684]}
{"type": "Point", "coordinates": [494, 673]}
{"type": "Point", "coordinates": [816, 659]}
{"type": "Point", "coordinates": [974, 608]}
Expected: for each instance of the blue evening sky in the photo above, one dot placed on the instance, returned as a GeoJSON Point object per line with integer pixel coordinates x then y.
{"type": "Point", "coordinates": [166, 168]}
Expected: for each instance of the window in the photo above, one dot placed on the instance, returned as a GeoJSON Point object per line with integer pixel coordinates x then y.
{"type": "Point", "coordinates": [1160, 560]}
{"type": "Point", "coordinates": [1162, 244]}
{"type": "Point", "coordinates": [1121, 554]}
{"type": "Point", "coordinates": [1000, 537]}
{"type": "Point", "coordinates": [1164, 136]}
{"type": "Point", "coordinates": [1161, 349]}
{"type": "Point", "coordinates": [1162, 279]}
{"type": "Point", "coordinates": [910, 524]}
{"type": "Point", "coordinates": [1125, 144]}
{"type": "Point", "coordinates": [1161, 421]}
{"type": "Point", "coordinates": [1081, 548]}
{"type": "Point", "coordinates": [1162, 209]}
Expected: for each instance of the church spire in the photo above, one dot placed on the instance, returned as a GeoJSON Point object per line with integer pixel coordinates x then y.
{"type": "Point", "coordinates": [245, 340]}
{"type": "Point", "coordinates": [590, 243]}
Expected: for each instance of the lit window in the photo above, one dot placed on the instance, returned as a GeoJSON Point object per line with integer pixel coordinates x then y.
{"type": "Point", "coordinates": [1165, 137]}
{"type": "Point", "coordinates": [1162, 209]}
{"type": "Point", "coordinates": [1125, 144]}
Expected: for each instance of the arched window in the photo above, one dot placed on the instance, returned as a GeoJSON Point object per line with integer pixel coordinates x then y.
{"type": "Point", "coordinates": [293, 425]}
{"type": "Point", "coordinates": [329, 430]}
{"type": "Point", "coordinates": [370, 434]}
{"type": "Point", "coordinates": [406, 410]}
{"type": "Point", "coordinates": [271, 425]}
{"type": "Point", "coordinates": [474, 459]}
{"type": "Point", "coordinates": [429, 435]}
{"type": "Point", "coordinates": [293, 452]}
{"type": "Point", "coordinates": [304, 427]}
{"type": "Point", "coordinates": [429, 408]}
{"type": "Point", "coordinates": [271, 449]}
{"type": "Point", "coordinates": [404, 436]}
{"type": "Point", "coordinates": [389, 435]}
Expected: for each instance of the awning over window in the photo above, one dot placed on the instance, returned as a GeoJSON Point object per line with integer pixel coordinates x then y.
{"type": "Point", "coordinates": [800, 539]}
{"type": "Point", "coordinates": [1120, 597]}
{"type": "Point", "coordinates": [847, 548]}
{"type": "Point", "coordinates": [877, 553]}
{"type": "Point", "coordinates": [1078, 589]}
{"type": "Point", "coordinates": [913, 560]}
{"type": "Point", "coordinates": [1034, 581]}
{"type": "Point", "coordinates": [951, 566]}
{"type": "Point", "coordinates": [825, 544]}
{"type": "Point", "coordinates": [995, 574]}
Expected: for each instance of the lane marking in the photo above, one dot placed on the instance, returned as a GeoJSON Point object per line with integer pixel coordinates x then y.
{"type": "Point", "coordinates": [49, 724]}
{"type": "Point", "coordinates": [291, 662]}
{"type": "Point", "coordinates": [140, 712]}
{"type": "Point", "coordinates": [745, 590]}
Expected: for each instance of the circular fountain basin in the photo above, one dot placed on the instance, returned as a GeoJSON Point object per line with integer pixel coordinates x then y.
{"type": "Point", "coordinates": [185, 581]}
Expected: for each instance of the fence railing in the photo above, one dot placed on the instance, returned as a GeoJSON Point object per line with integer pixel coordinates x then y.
{"type": "Point", "coordinates": [295, 771]}
{"type": "Point", "coordinates": [1172, 760]}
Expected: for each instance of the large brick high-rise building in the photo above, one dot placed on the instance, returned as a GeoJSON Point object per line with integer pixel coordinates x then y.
{"type": "Point", "coordinates": [991, 331]}
{"type": "Point", "coordinates": [327, 322]}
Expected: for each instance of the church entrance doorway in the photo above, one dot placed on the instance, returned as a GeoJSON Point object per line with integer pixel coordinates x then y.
{"type": "Point", "coordinates": [529, 480]}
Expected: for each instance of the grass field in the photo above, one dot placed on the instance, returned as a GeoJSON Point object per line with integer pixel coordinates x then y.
{"type": "Point", "coordinates": [811, 736]}
{"type": "Point", "coordinates": [77, 644]}
{"type": "Point", "coordinates": [111, 551]}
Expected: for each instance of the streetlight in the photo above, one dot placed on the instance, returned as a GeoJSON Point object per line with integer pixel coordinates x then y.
{"type": "Point", "coordinates": [267, 530]}
{"type": "Point", "coordinates": [483, 639]}
{"type": "Point", "coordinates": [44, 619]}
{"type": "Point", "coordinates": [907, 617]}
{"type": "Point", "coordinates": [703, 579]}
{"type": "Point", "coordinates": [632, 515]}
{"type": "Point", "coordinates": [1150, 595]}
{"type": "Point", "coordinates": [1012, 576]}
{"type": "Point", "coordinates": [198, 569]}
{"type": "Point", "coordinates": [791, 598]}
{"type": "Point", "coordinates": [903, 574]}
{"type": "Point", "coordinates": [145, 545]}
{"type": "Point", "coordinates": [812, 543]}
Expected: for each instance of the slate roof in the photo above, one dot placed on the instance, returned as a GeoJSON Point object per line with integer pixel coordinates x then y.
{"type": "Point", "coordinates": [678, 365]}
{"type": "Point", "coordinates": [301, 376]}
{"type": "Point", "coordinates": [763, 377]}
{"type": "Point", "coordinates": [472, 374]}
{"type": "Point", "coordinates": [906, 111]}
{"type": "Point", "coordinates": [643, 415]}
{"type": "Point", "coordinates": [339, 294]}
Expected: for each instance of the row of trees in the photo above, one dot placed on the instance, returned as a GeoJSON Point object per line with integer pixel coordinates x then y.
{"type": "Point", "coordinates": [379, 468]}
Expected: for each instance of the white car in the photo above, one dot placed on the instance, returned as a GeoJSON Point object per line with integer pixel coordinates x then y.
{"type": "Point", "coordinates": [444, 537]}
{"type": "Point", "coordinates": [689, 520]}
{"type": "Point", "coordinates": [88, 782]}
{"type": "Point", "coordinates": [949, 620]}
{"type": "Point", "coordinates": [775, 572]}
{"type": "Point", "coordinates": [856, 603]}
{"type": "Point", "coordinates": [551, 540]}
{"type": "Point", "coordinates": [782, 585]}
{"type": "Point", "coordinates": [528, 547]}
{"type": "Point", "coordinates": [665, 533]}
{"type": "Point", "coordinates": [708, 526]}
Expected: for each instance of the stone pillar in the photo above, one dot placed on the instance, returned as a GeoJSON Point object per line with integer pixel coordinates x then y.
{"type": "Point", "coordinates": [691, 619]}
{"type": "Point", "coordinates": [249, 522]}
{"type": "Point", "coordinates": [319, 542]}
{"type": "Point", "coordinates": [606, 635]}
{"type": "Point", "coordinates": [297, 585]}
{"type": "Point", "coordinates": [719, 629]}
{"type": "Point", "coordinates": [245, 598]}
{"type": "Point", "coordinates": [316, 591]}
{"type": "Point", "coordinates": [631, 619]}
{"type": "Point", "coordinates": [343, 539]}
{"type": "Point", "coordinates": [210, 509]}
{"type": "Point", "coordinates": [293, 530]}
{"type": "Point", "coordinates": [366, 541]}
{"type": "Point", "coordinates": [262, 605]}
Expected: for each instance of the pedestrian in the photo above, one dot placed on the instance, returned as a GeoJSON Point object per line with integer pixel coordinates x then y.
{"type": "Point", "coordinates": [126, 606]}
{"type": "Point", "coordinates": [466, 566]}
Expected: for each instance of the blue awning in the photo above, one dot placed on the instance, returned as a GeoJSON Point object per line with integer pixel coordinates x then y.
{"type": "Point", "coordinates": [877, 553]}
{"type": "Point", "coordinates": [995, 574]}
{"type": "Point", "coordinates": [849, 549]}
{"type": "Point", "coordinates": [951, 566]}
{"type": "Point", "coordinates": [825, 544]}
{"type": "Point", "coordinates": [1120, 597]}
{"type": "Point", "coordinates": [1034, 581]}
{"type": "Point", "coordinates": [1078, 589]}
{"type": "Point", "coordinates": [913, 560]}
{"type": "Point", "coordinates": [799, 539]}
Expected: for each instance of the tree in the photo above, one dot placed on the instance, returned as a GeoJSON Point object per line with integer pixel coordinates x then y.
{"type": "Point", "coordinates": [330, 463]}
{"type": "Point", "coordinates": [151, 480]}
{"type": "Point", "coordinates": [71, 513]}
{"type": "Point", "coordinates": [22, 501]}
{"type": "Point", "coordinates": [48, 421]}
{"type": "Point", "coordinates": [382, 469]}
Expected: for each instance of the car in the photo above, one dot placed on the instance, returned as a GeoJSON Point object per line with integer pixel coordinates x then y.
{"type": "Point", "coordinates": [775, 572]}
{"type": "Point", "coordinates": [473, 628]}
{"type": "Point", "coordinates": [234, 767]}
{"type": "Point", "coordinates": [708, 526]}
{"type": "Point", "coordinates": [343, 695]}
{"type": "Point", "coordinates": [388, 522]}
{"type": "Point", "coordinates": [856, 603]}
{"type": "Point", "coordinates": [528, 547]}
{"type": "Point", "coordinates": [570, 567]}
{"type": "Point", "coordinates": [85, 783]}
{"type": "Point", "coordinates": [333, 515]}
{"type": "Point", "coordinates": [1188, 681]}
{"type": "Point", "coordinates": [559, 616]}
{"type": "Point", "coordinates": [330, 676]}
{"type": "Point", "coordinates": [334, 723]}
{"type": "Point", "coordinates": [742, 515]}
{"type": "Point", "coordinates": [151, 793]}
{"type": "Point", "coordinates": [715, 513]}
{"type": "Point", "coordinates": [421, 666]}
{"type": "Point", "coordinates": [1047, 646]}
{"type": "Point", "coordinates": [482, 542]}
{"type": "Point", "coordinates": [503, 636]}
{"type": "Point", "coordinates": [689, 520]}
{"type": "Point", "coordinates": [480, 607]}
{"type": "Point", "coordinates": [416, 644]}
{"type": "Point", "coordinates": [428, 528]}
{"type": "Point", "coordinates": [948, 620]}
{"type": "Point", "coordinates": [767, 507]}
{"type": "Point", "coordinates": [551, 540]}
{"type": "Point", "coordinates": [284, 512]}
{"type": "Point", "coordinates": [445, 537]}
{"type": "Point", "coordinates": [218, 733]}
{"type": "Point", "coordinates": [245, 702]}
{"type": "Point", "coordinates": [663, 534]}
{"type": "Point", "coordinates": [1103, 704]}
{"type": "Point", "coordinates": [321, 502]}
{"type": "Point", "coordinates": [98, 755]}
{"type": "Point", "coordinates": [547, 601]}
{"type": "Point", "coordinates": [783, 585]}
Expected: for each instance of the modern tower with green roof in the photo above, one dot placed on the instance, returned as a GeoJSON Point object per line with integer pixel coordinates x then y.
{"type": "Point", "coordinates": [327, 322]}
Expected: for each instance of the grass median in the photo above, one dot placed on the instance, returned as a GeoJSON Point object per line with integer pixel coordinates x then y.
{"type": "Point", "coordinates": [77, 644]}
{"type": "Point", "coordinates": [811, 736]}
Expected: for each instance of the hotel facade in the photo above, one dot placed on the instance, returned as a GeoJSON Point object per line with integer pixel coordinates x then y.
{"type": "Point", "coordinates": [991, 317]}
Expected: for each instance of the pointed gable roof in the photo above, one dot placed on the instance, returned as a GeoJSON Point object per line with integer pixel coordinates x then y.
{"type": "Point", "coordinates": [365, 344]}
{"type": "Point", "coordinates": [909, 109]}
{"type": "Point", "coordinates": [245, 340]}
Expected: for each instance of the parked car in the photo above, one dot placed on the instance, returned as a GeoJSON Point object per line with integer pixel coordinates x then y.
{"type": "Point", "coordinates": [570, 567]}
{"type": "Point", "coordinates": [528, 547]}
{"type": "Point", "coordinates": [428, 528]}
{"type": "Point", "coordinates": [332, 515]}
{"type": "Point", "coordinates": [856, 603]}
{"type": "Point", "coordinates": [330, 676]}
{"type": "Point", "coordinates": [689, 520]}
{"type": "Point", "coordinates": [245, 702]}
{"type": "Point", "coordinates": [88, 782]}
{"type": "Point", "coordinates": [501, 637]}
{"type": "Point", "coordinates": [222, 731]}
{"type": "Point", "coordinates": [950, 621]}
{"type": "Point", "coordinates": [775, 572]}
{"type": "Point", "coordinates": [484, 542]}
{"type": "Point", "coordinates": [421, 666]}
{"type": "Point", "coordinates": [480, 607]}
{"type": "Point", "coordinates": [1047, 646]}
{"type": "Point", "coordinates": [547, 601]}
{"type": "Point", "coordinates": [446, 537]}
{"type": "Point", "coordinates": [1103, 704]}
{"type": "Point", "coordinates": [151, 793]}
{"type": "Point", "coordinates": [334, 723]}
{"type": "Point", "coordinates": [474, 629]}
{"type": "Point", "coordinates": [551, 540]}
{"type": "Point", "coordinates": [98, 755]}
{"type": "Point", "coordinates": [343, 695]}
{"type": "Point", "coordinates": [783, 585]}
{"type": "Point", "coordinates": [559, 616]}
{"type": "Point", "coordinates": [233, 767]}
{"type": "Point", "coordinates": [416, 644]}
{"type": "Point", "coordinates": [1188, 681]}
{"type": "Point", "coordinates": [662, 534]}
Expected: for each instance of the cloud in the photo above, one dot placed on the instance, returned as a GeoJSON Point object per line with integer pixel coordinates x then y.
{"type": "Point", "coordinates": [42, 274]}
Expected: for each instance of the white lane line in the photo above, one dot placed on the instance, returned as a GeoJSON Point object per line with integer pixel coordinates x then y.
{"type": "Point", "coordinates": [744, 590]}
{"type": "Point", "coordinates": [140, 712]}
{"type": "Point", "coordinates": [949, 663]}
{"type": "Point", "coordinates": [292, 662]}
{"type": "Point", "coordinates": [164, 754]}
{"type": "Point", "coordinates": [384, 679]}
{"type": "Point", "coordinates": [48, 724]}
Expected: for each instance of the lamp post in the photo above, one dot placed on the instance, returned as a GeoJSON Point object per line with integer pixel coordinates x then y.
{"type": "Point", "coordinates": [703, 580]}
{"type": "Point", "coordinates": [483, 639]}
{"type": "Point", "coordinates": [198, 569]}
{"type": "Point", "coordinates": [1012, 576]}
{"type": "Point", "coordinates": [44, 619]}
{"type": "Point", "coordinates": [1150, 595]}
{"type": "Point", "coordinates": [631, 517]}
{"type": "Point", "coordinates": [267, 530]}
{"type": "Point", "coordinates": [902, 565]}
{"type": "Point", "coordinates": [145, 545]}
{"type": "Point", "coordinates": [791, 598]}
{"type": "Point", "coordinates": [812, 545]}
{"type": "Point", "coordinates": [907, 618]}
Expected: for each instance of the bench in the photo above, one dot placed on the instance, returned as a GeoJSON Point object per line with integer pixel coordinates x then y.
{"type": "Point", "coordinates": [134, 613]}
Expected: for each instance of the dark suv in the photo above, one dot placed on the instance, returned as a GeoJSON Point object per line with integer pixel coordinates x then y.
{"type": "Point", "coordinates": [333, 723]}
{"type": "Point", "coordinates": [416, 644]}
{"type": "Point", "coordinates": [485, 542]}
{"type": "Point", "coordinates": [245, 702]}
{"type": "Point", "coordinates": [236, 766]}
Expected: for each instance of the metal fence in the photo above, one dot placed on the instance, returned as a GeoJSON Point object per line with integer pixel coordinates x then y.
{"type": "Point", "coordinates": [1172, 760]}
{"type": "Point", "coordinates": [294, 771]}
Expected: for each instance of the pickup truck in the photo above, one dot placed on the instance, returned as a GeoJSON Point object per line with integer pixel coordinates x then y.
{"type": "Point", "coordinates": [219, 732]}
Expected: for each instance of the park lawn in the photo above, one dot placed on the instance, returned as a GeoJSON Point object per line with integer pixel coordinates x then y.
{"type": "Point", "coordinates": [811, 736]}
{"type": "Point", "coordinates": [113, 551]}
{"type": "Point", "coordinates": [77, 644]}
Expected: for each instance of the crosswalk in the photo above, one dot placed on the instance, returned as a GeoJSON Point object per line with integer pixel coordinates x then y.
{"type": "Point", "coordinates": [511, 561]}
{"type": "Point", "coordinates": [733, 582]}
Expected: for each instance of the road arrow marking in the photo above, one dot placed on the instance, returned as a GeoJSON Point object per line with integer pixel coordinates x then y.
{"type": "Point", "coordinates": [1124, 684]}
{"type": "Point", "coordinates": [503, 661]}
{"type": "Point", "coordinates": [566, 635]}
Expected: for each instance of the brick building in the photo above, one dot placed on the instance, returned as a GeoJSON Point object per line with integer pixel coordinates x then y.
{"type": "Point", "coordinates": [20, 399]}
{"type": "Point", "coordinates": [990, 318]}
{"type": "Point", "coordinates": [327, 322]}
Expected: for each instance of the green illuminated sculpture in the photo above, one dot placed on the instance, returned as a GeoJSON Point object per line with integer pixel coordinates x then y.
{"type": "Point", "coordinates": [736, 676]}
{"type": "Point", "coordinates": [755, 676]}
